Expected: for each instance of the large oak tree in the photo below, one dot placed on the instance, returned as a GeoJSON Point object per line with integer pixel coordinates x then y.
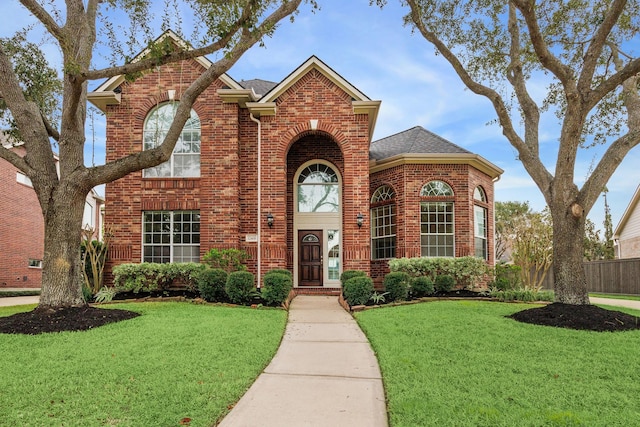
{"type": "Point", "coordinates": [227, 29]}
{"type": "Point", "coordinates": [585, 49]}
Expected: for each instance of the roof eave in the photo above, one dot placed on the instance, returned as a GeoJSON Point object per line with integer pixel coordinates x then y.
{"type": "Point", "coordinates": [474, 160]}
{"type": "Point", "coordinates": [103, 99]}
{"type": "Point", "coordinates": [371, 108]}
{"type": "Point", "coordinates": [259, 109]}
{"type": "Point", "coordinates": [239, 96]}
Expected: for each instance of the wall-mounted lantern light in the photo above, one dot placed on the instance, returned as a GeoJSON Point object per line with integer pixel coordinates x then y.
{"type": "Point", "coordinates": [270, 219]}
{"type": "Point", "coordinates": [359, 219]}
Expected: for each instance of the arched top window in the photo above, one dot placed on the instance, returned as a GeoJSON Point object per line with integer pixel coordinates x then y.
{"type": "Point", "coordinates": [436, 188]}
{"type": "Point", "coordinates": [318, 189]}
{"type": "Point", "coordinates": [384, 193]}
{"type": "Point", "coordinates": [317, 174]}
{"type": "Point", "coordinates": [479, 194]}
{"type": "Point", "coordinates": [185, 160]}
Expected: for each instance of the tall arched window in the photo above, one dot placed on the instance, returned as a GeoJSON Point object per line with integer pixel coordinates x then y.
{"type": "Point", "coordinates": [436, 220]}
{"type": "Point", "coordinates": [185, 160]}
{"type": "Point", "coordinates": [480, 223]}
{"type": "Point", "coordinates": [383, 223]}
{"type": "Point", "coordinates": [318, 189]}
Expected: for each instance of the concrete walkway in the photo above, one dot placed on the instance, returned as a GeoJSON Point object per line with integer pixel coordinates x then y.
{"type": "Point", "coordinates": [616, 302]}
{"type": "Point", "coordinates": [9, 301]}
{"type": "Point", "coordinates": [324, 374]}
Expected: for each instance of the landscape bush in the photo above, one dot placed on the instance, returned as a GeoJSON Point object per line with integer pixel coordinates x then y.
{"type": "Point", "coordinates": [444, 283]}
{"type": "Point", "coordinates": [211, 284]}
{"type": "Point", "coordinates": [396, 285]}
{"type": "Point", "coordinates": [421, 286]}
{"type": "Point", "coordinates": [524, 295]}
{"type": "Point", "coordinates": [276, 287]}
{"type": "Point", "coordinates": [506, 277]}
{"type": "Point", "coordinates": [282, 271]}
{"type": "Point", "coordinates": [467, 271]}
{"type": "Point", "coordinates": [348, 274]}
{"type": "Point", "coordinates": [227, 259]}
{"type": "Point", "coordinates": [357, 290]}
{"type": "Point", "coordinates": [241, 287]}
{"type": "Point", "coordinates": [150, 277]}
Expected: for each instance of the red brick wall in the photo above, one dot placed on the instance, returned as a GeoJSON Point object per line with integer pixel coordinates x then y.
{"type": "Point", "coordinates": [407, 181]}
{"type": "Point", "coordinates": [21, 230]}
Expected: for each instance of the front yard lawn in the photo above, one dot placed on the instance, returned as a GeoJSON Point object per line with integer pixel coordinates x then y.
{"type": "Point", "coordinates": [463, 363]}
{"type": "Point", "coordinates": [176, 364]}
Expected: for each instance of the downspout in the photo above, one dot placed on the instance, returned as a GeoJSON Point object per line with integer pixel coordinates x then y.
{"type": "Point", "coordinates": [259, 243]}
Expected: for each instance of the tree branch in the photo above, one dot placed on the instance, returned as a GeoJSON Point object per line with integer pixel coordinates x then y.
{"type": "Point", "coordinates": [623, 74]}
{"type": "Point", "coordinates": [515, 76]}
{"type": "Point", "coordinates": [149, 158]}
{"type": "Point", "coordinates": [531, 162]}
{"type": "Point", "coordinates": [547, 59]}
{"type": "Point", "coordinates": [597, 43]}
{"type": "Point", "coordinates": [43, 16]}
{"type": "Point", "coordinates": [14, 159]}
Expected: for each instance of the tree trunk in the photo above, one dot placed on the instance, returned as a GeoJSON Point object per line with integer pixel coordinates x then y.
{"type": "Point", "coordinates": [62, 269]}
{"type": "Point", "coordinates": [570, 283]}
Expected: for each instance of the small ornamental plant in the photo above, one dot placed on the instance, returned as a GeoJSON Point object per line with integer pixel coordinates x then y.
{"type": "Point", "coordinates": [276, 287]}
{"type": "Point", "coordinates": [357, 290]}
{"type": "Point", "coordinates": [241, 287]}
{"type": "Point", "coordinates": [397, 286]}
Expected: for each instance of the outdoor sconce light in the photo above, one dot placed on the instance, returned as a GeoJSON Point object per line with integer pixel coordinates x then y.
{"type": "Point", "coordinates": [359, 220]}
{"type": "Point", "coordinates": [270, 219]}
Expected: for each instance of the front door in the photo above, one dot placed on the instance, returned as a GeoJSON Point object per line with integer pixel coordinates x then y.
{"type": "Point", "coordinates": [310, 257]}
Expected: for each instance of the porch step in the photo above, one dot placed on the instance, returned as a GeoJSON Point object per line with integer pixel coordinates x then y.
{"type": "Point", "coordinates": [317, 291]}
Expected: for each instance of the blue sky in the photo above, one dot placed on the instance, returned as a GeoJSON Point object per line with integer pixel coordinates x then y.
{"type": "Point", "coordinates": [372, 49]}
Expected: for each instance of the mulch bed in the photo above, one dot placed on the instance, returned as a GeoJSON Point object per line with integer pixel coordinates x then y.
{"type": "Point", "coordinates": [580, 317]}
{"type": "Point", "coordinates": [39, 321]}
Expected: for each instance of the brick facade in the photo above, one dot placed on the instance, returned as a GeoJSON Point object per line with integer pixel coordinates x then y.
{"type": "Point", "coordinates": [312, 116]}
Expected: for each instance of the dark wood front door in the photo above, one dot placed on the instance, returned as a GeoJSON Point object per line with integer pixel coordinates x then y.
{"type": "Point", "coordinates": [310, 257]}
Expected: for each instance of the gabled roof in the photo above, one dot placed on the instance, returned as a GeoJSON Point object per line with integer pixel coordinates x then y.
{"type": "Point", "coordinates": [420, 146]}
{"type": "Point", "coordinates": [107, 93]}
{"type": "Point", "coordinates": [416, 140]}
{"type": "Point", "coordinates": [627, 213]}
{"type": "Point", "coordinates": [362, 104]}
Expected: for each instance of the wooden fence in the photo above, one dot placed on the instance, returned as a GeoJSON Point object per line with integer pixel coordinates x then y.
{"type": "Point", "coordinates": [616, 276]}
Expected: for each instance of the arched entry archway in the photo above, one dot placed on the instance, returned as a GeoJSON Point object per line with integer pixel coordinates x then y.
{"type": "Point", "coordinates": [314, 210]}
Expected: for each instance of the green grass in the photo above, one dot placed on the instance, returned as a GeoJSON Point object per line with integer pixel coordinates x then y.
{"type": "Point", "coordinates": [462, 363]}
{"type": "Point", "coordinates": [616, 296]}
{"type": "Point", "coordinates": [175, 361]}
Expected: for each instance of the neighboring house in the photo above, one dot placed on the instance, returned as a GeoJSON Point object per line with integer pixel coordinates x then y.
{"type": "Point", "coordinates": [287, 172]}
{"type": "Point", "coordinates": [626, 236]}
{"type": "Point", "coordinates": [22, 226]}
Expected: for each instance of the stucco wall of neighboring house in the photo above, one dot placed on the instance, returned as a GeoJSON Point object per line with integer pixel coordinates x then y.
{"type": "Point", "coordinates": [21, 230]}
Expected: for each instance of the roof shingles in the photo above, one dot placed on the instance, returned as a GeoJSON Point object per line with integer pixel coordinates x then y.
{"type": "Point", "coordinates": [416, 140]}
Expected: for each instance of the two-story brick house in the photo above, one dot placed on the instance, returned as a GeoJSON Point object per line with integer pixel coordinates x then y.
{"type": "Point", "coordinates": [287, 172]}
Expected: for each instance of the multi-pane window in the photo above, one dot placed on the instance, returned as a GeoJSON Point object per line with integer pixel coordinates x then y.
{"type": "Point", "coordinates": [383, 223]}
{"type": "Point", "coordinates": [171, 236]}
{"type": "Point", "coordinates": [437, 220]}
{"type": "Point", "coordinates": [185, 160]}
{"type": "Point", "coordinates": [480, 224]}
{"type": "Point", "coordinates": [318, 189]}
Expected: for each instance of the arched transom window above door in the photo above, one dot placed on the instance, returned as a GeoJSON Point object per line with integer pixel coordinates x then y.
{"type": "Point", "coordinates": [318, 189]}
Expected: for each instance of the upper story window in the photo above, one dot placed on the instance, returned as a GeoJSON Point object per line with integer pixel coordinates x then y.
{"type": "Point", "coordinates": [383, 223]}
{"type": "Point", "coordinates": [479, 195]}
{"type": "Point", "coordinates": [185, 160]}
{"type": "Point", "coordinates": [318, 189]}
{"type": "Point", "coordinates": [437, 220]}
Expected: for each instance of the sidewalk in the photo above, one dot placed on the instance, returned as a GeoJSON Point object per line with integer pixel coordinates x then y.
{"type": "Point", "coordinates": [9, 301]}
{"type": "Point", "coordinates": [324, 374]}
{"type": "Point", "coordinates": [616, 302]}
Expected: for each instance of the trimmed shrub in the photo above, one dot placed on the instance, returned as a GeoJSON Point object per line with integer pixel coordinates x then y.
{"type": "Point", "coordinates": [397, 286]}
{"type": "Point", "coordinates": [241, 287]}
{"type": "Point", "coordinates": [150, 277]}
{"type": "Point", "coordinates": [276, 287]}
{"type": "Point", "coordinates": [348, 274]}
{"type": "Point", "coordinates": [357, 290]}
{"type": "Point", "coordinates": [466, 271]}
{"type": "Point", "coordinates": [227, 259]}
{"type": "Point", "coordinates": [211, 284]}
{"type": "Point", "coordinates": [421, 286]}
{"type": "Point", "coordinates": [444, 283]}
{"type": "Point", "coordinates": [280, 270]}
{"type": "Point", "coordinates": [525, 295]}
{"type": "Point", "coordinates": [507, 277]}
